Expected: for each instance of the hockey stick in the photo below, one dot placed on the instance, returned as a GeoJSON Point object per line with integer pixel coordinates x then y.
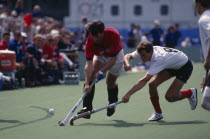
{"type": "Point", "coordinates": [66, 120]}
{"type": "Point", "coordinates": [92, 112]}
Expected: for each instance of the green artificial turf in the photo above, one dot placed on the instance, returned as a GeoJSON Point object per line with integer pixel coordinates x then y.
{"type": "Point", "coordinates": [24, 113]}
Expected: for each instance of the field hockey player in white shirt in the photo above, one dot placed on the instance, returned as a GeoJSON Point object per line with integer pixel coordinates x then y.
{"type": "Point", "coordinates": [165, 63]}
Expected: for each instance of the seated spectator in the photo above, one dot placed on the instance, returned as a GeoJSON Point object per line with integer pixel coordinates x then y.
{"type": "Point", "coordinates": [24, 41]}
{"type": "Point", "coordinates": [19, 7]}
{"type": "Point", "coordinates": [33, 61]}
{"type": "Point", "coordinates": [57, 55]}
{"type": "Point", "coordinates": [5, 41]}
{"type": "Point", "coordinates": [15, 45]}
{"type": "Point", "coordinates": [37, 12]}
{"type": "Point", "coordinates": [48, 52]}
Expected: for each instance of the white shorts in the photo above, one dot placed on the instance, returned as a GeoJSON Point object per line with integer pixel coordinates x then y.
{"type": "Point", "coordinates": [206, 92]}
{"type": "Point", "coordinates": [117, 67]}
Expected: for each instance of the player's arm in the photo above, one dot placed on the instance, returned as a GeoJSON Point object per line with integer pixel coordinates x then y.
{"type": "Point", "coordinates": [88, 70]}
{"type": "Point", "coordinates": [139, 85]}
{"type": "Point", "coordinates": [127, 59]}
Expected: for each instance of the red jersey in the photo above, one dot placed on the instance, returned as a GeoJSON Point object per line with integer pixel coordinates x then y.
{"type": "Point", "coordinates": [47, 51]}
{"type": "Point", "coordinates": [111, 44]}
{"type": "Point", "coordinates": [3, 45]}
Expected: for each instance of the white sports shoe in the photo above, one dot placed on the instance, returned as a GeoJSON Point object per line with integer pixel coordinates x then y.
{"type": "Point", "coordinates": [155, 117]}
{"type": "Point", "coordinates": [193, 100]}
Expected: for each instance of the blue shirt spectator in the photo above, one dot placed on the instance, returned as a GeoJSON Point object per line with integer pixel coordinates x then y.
{"type": "Point", "coordinates": [37, 12]}
{"type": "Point", "coordinates": [156, 33]}
{"type": "Point", "coordinates": [170, 38]}
{"type": "Point", "coordinates": [35, 51]}
{"type": "Point", "coordinates": [15, 45]}
{"type": "Point", "coordinates": [131, 41]}
{"type": "Point", "coordinates": [177, 34]}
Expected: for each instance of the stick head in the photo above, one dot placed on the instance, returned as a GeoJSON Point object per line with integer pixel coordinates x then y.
{"type": "Point", "coordinates": [61, 124]}
{"type": "Point", "coordinates": [71, 122]}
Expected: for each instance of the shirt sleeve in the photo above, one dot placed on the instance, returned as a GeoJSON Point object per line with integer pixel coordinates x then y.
{"type": "Point", "coordinates": [88, 52]}
{"type": "Point", "coordinates": [135, 55]}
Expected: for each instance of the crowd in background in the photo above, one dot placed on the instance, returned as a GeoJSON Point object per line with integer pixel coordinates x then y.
{"type": "Point", "coordinates": [44, 47]}
{"type": "Point", "coordinates": [170, 37]}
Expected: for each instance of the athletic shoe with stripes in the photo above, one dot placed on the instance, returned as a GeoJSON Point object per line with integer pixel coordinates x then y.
{"type": "Point", "coordinates": [193, 100]}
{"type": "Point", "coordinates": [155, 117]}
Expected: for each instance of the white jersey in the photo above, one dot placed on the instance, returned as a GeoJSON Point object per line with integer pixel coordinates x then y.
{"type": "Point", "coordinates": [164, 58]}
{"type": "Point", "coordinates": [204, 28]}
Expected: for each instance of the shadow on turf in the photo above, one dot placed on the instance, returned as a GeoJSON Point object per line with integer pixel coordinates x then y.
{"type": "Point", "coordinates": [10, 121]}
{"type": "Point", "coordinates": [119, 123]}
{"type": "Point", "coordinates": [122, 123]}
{"type": "Point", "coordinates": [25, 123]}
{"type": "Point", "coordinates": [181, 122]}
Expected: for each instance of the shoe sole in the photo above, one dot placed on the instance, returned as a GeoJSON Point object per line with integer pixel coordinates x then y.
{"type": "Point", "coordinates": [196, 96]}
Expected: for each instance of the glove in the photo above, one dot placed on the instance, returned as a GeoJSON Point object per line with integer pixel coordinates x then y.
{"type": "Point", "coordinates": [100, 76]}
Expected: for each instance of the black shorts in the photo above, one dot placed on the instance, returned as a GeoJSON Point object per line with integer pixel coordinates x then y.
{"type": "Point", "coordinates": [183, 73]}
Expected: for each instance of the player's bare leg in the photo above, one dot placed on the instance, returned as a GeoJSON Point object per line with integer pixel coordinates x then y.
{"type": "Point", "coordinates": [153, 85]}
{"type": "Point", "coordinates": [174, 94]}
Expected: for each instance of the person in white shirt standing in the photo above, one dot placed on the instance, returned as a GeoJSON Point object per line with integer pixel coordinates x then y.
{"type": "Point", "coordinates": [203, 9]}
{"type": "Point", "coordinates": [165, 63]}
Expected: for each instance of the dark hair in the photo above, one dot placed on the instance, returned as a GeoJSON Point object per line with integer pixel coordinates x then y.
{"type": "Point", "coordinates": [6, 34]}
{"type": "Point", "coordinates": [204, 3]}
{"type": "Point", "coordinates": [95, 27]}
{"type": "Point", "coordinates": [145, 46]}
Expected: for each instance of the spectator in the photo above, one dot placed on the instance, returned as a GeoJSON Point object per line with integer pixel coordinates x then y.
{"type": "Point", "coordinates": [157, 33]}
{"type": "Point", "coordinates": [131, 40]}
{"type": "Point", "coordinates": [37, 12]}
{"type": "Point", "coordinates": [15, 45]}
{"type": "Point", "coordinates": [177, 34]}
{"type": "Point", "coordinates": [33, 61]}
{"type": "Point", "coordinates": [170, 38]}
{"type": "Point", "coordinates": [84, 33]}
{"type": "Point", "coordinates": [24, 41]}
{"type": "Point", "coordinates": [5, 41]}
{"type": "Point", "coordinates": [137, 33]}
{"type": "Point", "coordinates": [19, 7]}
{"type": "Point", "coordinates": [48, 52]}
